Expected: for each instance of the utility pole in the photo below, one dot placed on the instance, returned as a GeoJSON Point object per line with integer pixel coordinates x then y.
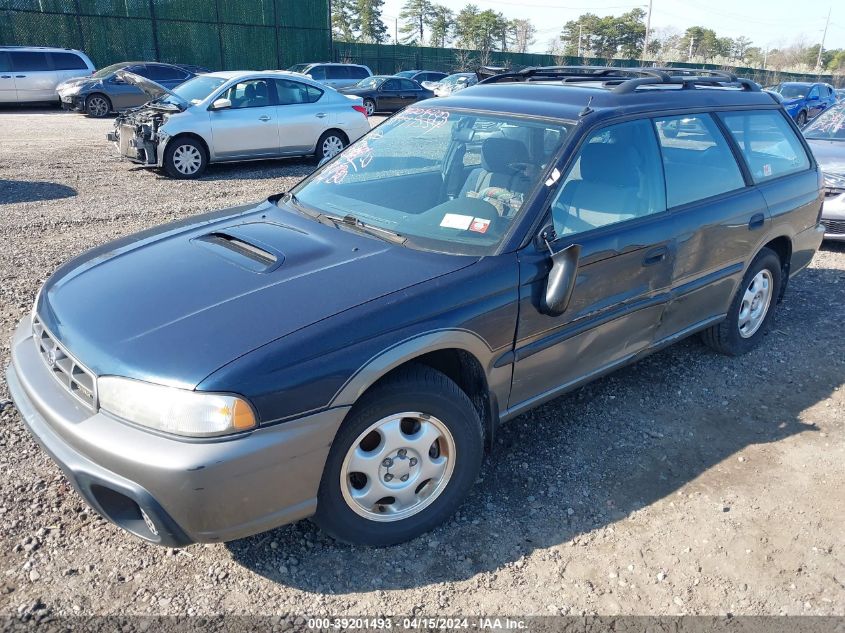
{"type": "Point", "coordinates": [580, 32]}
{"type": "Point", "coordinates": [647, 32]}
{"type": "Point", "coordinates": [824, 36]}
{"type": "Point", "coordinates": [691, 42]}
{"type": "Point", "coordinates": [395, 30]}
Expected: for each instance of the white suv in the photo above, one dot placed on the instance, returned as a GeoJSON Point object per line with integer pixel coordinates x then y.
{"type": "Point", "coordinates": [31, 73]}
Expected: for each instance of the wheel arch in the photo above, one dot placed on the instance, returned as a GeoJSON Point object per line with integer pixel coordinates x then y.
{"type": "Point", "coordinates": [461, 355]}
{"type": "Point", "coordinates": [782, 246]}
{"type": "Point", "coordinates": [191, 135]}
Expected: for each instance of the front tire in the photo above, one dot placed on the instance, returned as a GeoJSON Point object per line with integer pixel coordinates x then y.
{"type": "Point", "coordinates": [402, 462]}
{"type": "Point", "coordinates": [801, 119]}
{"type": "Point", "coordinates": [185, 158]}
{"type": "Point", "coordinates": [97, 106]}
{"type": "Point", "coordinates": [752, 309]}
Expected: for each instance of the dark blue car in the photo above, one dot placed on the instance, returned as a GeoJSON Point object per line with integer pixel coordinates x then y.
{"type": "Point", "coordinates": [346, 350]}
{"type": "Point", "coordinates": [805, 100]}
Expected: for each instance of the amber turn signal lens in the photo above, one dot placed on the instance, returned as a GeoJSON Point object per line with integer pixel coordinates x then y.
{"type": "Point", "coordinates": [243, 418]}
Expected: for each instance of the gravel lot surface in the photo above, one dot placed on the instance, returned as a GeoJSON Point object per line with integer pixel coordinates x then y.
{"type": "Point", "coordinates": [689, 483]}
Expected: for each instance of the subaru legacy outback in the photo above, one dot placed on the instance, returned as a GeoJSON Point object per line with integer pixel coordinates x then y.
{"type": "Point", "coordinates": [347, 349]}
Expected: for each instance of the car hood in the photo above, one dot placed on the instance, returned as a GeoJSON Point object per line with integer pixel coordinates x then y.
{"type": "Point", "coordinates": [830, 155]}
{"type": "Point", "coordinates": [147, 86]}
{"type": "Point", "coordinates": [76, 82]}
{"type": "Point", "coordinates": [176, 303]}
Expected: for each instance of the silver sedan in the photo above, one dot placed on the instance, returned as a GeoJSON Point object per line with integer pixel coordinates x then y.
{"type": "Point", "coordinates": [235, 116]}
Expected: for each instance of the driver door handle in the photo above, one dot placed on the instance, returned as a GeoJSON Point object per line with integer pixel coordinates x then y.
{"type": "Point", "coordinates": [320, 115]}
{"type": "Point", "coordinates": [20, 76]}
{"type": "Point", "coordinates": [264, 117]}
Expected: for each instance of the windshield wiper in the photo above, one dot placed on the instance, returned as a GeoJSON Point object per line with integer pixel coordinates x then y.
{"type": "Point", "coordinates": [371, 229]}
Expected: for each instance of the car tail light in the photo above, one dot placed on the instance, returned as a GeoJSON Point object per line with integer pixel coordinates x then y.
{"type": "Point", "coordinates": [360, 109]}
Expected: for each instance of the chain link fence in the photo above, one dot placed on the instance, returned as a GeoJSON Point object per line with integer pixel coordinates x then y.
{"type": "Point", "coordinates": [218, 34]}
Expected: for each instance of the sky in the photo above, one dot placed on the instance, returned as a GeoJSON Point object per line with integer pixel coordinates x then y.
{"type": "Point", "coordinates": [769, 23]}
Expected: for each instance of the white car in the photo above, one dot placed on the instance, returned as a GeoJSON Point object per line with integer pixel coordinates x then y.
{"type": "Point", "coordinates": [235, 116]}
{"type": "Point", "coordinates": [30, 74]}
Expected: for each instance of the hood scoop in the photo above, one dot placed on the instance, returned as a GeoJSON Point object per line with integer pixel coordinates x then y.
{"type": "Point", "coordinates": [247, 245]}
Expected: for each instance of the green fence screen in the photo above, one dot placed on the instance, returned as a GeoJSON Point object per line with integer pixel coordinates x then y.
{"type": "Point", "coordinates": [388, 59]}
{"type": "Point", "coordinates": [218, 34]}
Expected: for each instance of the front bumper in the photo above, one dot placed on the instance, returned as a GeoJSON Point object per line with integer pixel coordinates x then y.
{"type": "Point", "coordinates": [74, 102]}
{"type": "Point", "coordinates": [130, 145]}
{"type": "Point", "coordinates": [168, 490]}
{"type": "Point", "coordinates": [833, 214]}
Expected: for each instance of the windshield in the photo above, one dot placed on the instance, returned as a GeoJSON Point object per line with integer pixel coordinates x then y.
{"type": "Point", "coordinates": [447, 181]}
{"type": "Point", "coordinates": [108, 70]}
{"type": "Point", "coordinates": [194, 90]}
{"type": "Point", "coordinates": [407, 73]}
{"type": "Point", "coordinates": [829, 125]}
{"type": "Point", "coordinates": [451, 80]}
{"type": "Point", "coordinates": [370, 82]}
{"type": "Point", "coordinates": [792, 91]}
{"type": "Point", "coordinates": [298, 68]}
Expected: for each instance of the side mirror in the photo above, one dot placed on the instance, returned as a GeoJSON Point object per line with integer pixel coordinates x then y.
{"type": "Point", "coordinates": [561, 281]}
{"type": "Point", "coordinates": [813, 98]}
{"type": "Point", "coordinates": [221, 104]}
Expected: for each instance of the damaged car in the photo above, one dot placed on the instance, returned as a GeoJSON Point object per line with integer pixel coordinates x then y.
{"type": "Point", "coordinates": [235, 116]}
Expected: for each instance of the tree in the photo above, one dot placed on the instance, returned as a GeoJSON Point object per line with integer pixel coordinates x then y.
{"type": "Point", "coordinates": [414, 16]}
{"type": "Point", "coordinates": [344, 20]}
{"type": "Point", "coordinates": [482, 31]}
{"type": "Point", "coordinates": [630, 32]}
{"type": "Point", "coordinates": [523, 33]}
{"type": "Point", "coordinates": [441, 24]}
{"type": "Point", "coordinates": [740, 48]}
{"type": "Point", "coordinates": [370, 25]}
{"type": "Point", "coordinates": [700, 42]}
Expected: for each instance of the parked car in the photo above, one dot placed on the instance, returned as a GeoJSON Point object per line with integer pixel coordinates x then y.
{"type": "Point", "coordinates": [422, 75]}
{"type": "Point", "coordinates": [840, 94]}
{"type": "Point", "coordinates": [105, 91]}
{"type": "Point", "coordinates": [193, 68]}
{"type": "Point", "coordinates": [383, 93]}
{"type": "Point", "coordinates": [453, 83]}
{"type": "Point", "coordinates": [804, 100]}
{"type": "Point", "coordinates": [233, 116]}
{"type": "Point", "coordinates": [334, 75]}
{"type": "Point", "coordinates": [826, 137]}
{"type": "Point", "coordinates": [30, 74]}
{"type": "Point", "coordinates": [346, 349]}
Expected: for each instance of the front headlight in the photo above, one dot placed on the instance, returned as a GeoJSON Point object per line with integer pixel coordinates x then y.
{"type": "Point", "coordinates": [172, 410]}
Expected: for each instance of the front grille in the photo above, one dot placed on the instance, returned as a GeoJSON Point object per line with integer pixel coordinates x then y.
{"type": "Point", "coordinates": [80, 381]}
{"type": "Point", "coordinates": [834, 227]}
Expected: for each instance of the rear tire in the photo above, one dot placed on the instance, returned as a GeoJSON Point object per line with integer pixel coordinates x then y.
{"type": "Point", "coordinates": [752, 309]}
{"type": "Point", "coordinates": [330, 144]}
{"type": "Point", "coordinates": [98, 105]}
{"type": "Point", "coordinates": [370, 106]}
{"type": "Point", "coordinates": [185, 158]}
{"type": "Point", "coordinates": [402, 462]}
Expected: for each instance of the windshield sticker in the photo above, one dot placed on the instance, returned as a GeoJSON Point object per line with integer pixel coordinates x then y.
{"type": "Point", "coordinates": [767, 170]}
{"type": "Point", "coordinates": [456, 221]}
{"type": "Point", "coordinates": [479, 225]}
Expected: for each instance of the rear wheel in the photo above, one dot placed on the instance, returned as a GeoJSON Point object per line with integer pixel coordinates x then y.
{"type": "Point", "coordinates": [801, 119]}
{"type": "Point", "coordinates": [370, 106]}
{"type": "Point", "coordinates": [97, 106]}
{"type": "Point", "coordinates": [752, 308]}
{"type": "Point", "coordinates": [331, 143]}
{"type": "Point", "coordinates": [402, 462]}
{"type": "Point", "coordinates": [184, 158]}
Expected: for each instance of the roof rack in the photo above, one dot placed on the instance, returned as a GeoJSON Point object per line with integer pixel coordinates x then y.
{"type": "Point", "coordinates": [624, 80]}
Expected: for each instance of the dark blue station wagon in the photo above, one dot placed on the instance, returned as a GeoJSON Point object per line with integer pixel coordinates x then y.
{"type": "Point", "coordinates": [346, 349]}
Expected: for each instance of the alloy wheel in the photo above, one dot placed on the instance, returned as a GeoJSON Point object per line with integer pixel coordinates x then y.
{"type": "Point", "coordinates": [98, 106]}
{"type": "Point", "coordinates": [398, 466]}
{"type": "Point", "coordinates": [755, 304]}
{"type": "Point", "coordinates": [370, 107]}
{"type": "Point", "coordinates": [187, 159]}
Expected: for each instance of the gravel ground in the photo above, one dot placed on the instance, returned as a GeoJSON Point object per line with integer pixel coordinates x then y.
{"type": "Point", "coordinates": [689, 483]}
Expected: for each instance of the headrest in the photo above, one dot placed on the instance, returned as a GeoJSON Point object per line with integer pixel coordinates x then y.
{"type": "Point", "coordinates": [249, 91]}
{"type": "Point", "coordinates": [498, 153]}
{"type": "Point", "coordinates": [609, 163]}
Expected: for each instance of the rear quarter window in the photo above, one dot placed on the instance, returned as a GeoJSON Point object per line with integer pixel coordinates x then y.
{"type": "Point", "coordinates": [769, 144]}
{"type": "Point", "coordinates": [68, 61]}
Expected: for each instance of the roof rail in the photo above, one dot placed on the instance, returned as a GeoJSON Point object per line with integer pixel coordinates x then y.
{"type": "Point", "coordinates": [624, 80]}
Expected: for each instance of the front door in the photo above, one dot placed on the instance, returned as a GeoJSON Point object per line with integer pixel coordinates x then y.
{"type": "Point", "coordinates": [612, 205]}
{"type": "Point", "coordinates": [250, 127]}
{"type": "Point", "coordinates": [389, 99]}
{"type": "Point", "coordinates": [8, 93]}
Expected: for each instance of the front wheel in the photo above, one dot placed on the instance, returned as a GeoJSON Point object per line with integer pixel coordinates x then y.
{"type": "Point", "coordinates": [801, 119]}
{"type": "Point", "coordinates": [402, 462]}
{"type": "Point", "coordinates": [185, 158]}
{"type": "Point", "coordinates": [97, 106]}
{"type": "Point", "coordinates": [752, 308]}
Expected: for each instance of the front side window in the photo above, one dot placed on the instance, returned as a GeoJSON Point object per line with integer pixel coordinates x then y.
{"type": "Point", "coordinates": [615, 177]}
{"type": "Point", "coordinates": [769, 144]}
{"type": "Point", "coordinates": [68, 61]}
{"type": "Point", "coordinates": [697, 159]}
{"type": "Point", "coordinates": [828, 126]}
{"type": "Point", "coordinates": [337, 72]}
{"type": "Point", "coordinates": [254, 93]}
{"type": "Point", "coordinates": [23, 61]}
{"type": "Point", "coordinates": [358, 72]}
{"type": "Point", "coordinates": [391, 84]}
{"type": "Point", "coordinates": [409, 177]}
{"type": "Point", "coordinates": [317, 73]}
{"type": "Point", "coordinates": [165, 73]}
{"type": "Point", "coordinates": [292, 92]}
{"type": "Point", "coordinates": [407, 84]}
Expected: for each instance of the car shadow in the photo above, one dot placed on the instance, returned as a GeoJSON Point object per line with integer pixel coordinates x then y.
{"type": "Point", "coordinates": [298, 167]}
{"type": "Point", "coordinates": [12, 191]}
{"type": "Point", "coordinates": [594, 457]}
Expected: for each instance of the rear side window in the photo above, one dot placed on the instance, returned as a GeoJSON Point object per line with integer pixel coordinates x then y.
{"type": "Point", "coordinates": [29, 61]}
{"type": "Point", "coordinates": [5, 64]}
{"type": "Point", "coordinates": [407, 84]}
{"type": "Point", "coordinates": [697, 159]}
{"type": "Point", "coordinates": [292, 92]}
{"type": "Point", "coordinates": [357, 72]}
{"type": "Point", "coordinates": [165, 73]}
{"type": "Point", "coordinates": [68, 61]}
{"type": "Point", "coordinates": [318, 73]}
{"type": "Point", "coordinates": [337, 72]}
{"type": "Point", "coordinates": [616, 177]}
{"type": "Point", "coordinates": [391, 84]}
{"type": "Point", "coordinates": [769, 144]}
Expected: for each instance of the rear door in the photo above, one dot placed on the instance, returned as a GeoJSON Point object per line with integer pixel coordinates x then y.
{"type": "Point", "coordinates": [720, 219]}
{"type": "Point", "coordinates": [409, 92]}
{"type": "Point", "coordinates": [35, 80]}
{"type": "Point", "coordinates": [302, 118]}
{"type": "Point", "coordinates": [337, 76]}
{"type": "Point", "coordinates": [611, 204]}
{"type": "Point", "coordinates": [250, 128]}
{"type": "Point", "coordinates": [8, 93]}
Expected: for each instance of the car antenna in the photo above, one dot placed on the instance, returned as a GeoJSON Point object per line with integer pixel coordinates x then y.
{"type": "Point", "coordinates": [587, 109]}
